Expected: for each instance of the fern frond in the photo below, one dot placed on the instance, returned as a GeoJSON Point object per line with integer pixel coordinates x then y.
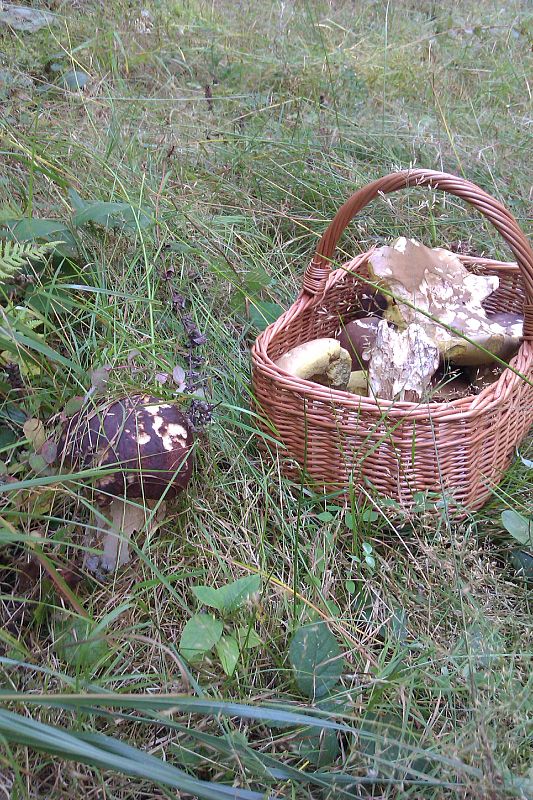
{"type": "Point", "coordinates": [15, 255]}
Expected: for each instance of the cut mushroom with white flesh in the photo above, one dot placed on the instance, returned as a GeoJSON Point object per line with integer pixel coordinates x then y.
{"type": "Point", "coordinates": [322, 361]}
{"type": "Point", "coordinates": [436, 282]}
{"type": "Point", "coordinates": [402, 363]}
{"type": "Point", "coordinates": [146, 444]}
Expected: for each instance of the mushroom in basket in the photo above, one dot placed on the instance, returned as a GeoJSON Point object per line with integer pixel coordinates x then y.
{"type": "Point", "coordinates": [430, 286]}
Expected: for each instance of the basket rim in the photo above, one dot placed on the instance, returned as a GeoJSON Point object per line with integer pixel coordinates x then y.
{"type": "Point", "coordinates": [463, 407]}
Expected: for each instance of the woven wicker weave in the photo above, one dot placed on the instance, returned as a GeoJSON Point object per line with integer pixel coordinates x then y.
{"type": "Point", "coordinates": [461, 448]}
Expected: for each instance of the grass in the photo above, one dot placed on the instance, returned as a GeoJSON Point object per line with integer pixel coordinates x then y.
{"type": "Point", "coordinates": [228, 188]}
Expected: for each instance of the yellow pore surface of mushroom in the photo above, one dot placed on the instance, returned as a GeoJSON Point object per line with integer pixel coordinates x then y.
{"type": "Point", "coordinates": [323, 361]}
{"type": "Point", "coordinates": [358, 383]}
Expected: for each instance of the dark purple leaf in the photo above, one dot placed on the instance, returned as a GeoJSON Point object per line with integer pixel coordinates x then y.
{"type": "Point", "coordinates": [49, 451]}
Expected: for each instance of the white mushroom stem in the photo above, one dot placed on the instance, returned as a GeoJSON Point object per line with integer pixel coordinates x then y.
{"type": "Point", "coordinates": [126, 518]}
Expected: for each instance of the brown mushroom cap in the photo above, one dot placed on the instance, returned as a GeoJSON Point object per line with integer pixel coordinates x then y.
{"type": "Point", "coordinates": [358, 338]}
{"type": "Point", "coordinates": [148, 439]}
{"type": "Point", "coordinates": [447, 386]}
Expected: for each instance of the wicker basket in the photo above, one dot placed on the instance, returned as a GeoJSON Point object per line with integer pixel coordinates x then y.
{"type": "Point", "coordinates": [461, 448]}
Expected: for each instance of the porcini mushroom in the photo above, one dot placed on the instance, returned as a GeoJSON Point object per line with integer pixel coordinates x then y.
{"type": "Point", "coordinates": [436, 282]}
{"type": "Point", "coordinates": [358, 337]}
{"type": "Point", "coordinates": [402, 363]}
{"type": "Point", "coordinates": [144, 444]}
{"type": "Point", "coordinates": [323, 361]}
{"type": "Point", "coordinates": [358, 383]}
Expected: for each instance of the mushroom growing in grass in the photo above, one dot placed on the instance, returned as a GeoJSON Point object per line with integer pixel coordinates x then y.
{"type": "Point", "coordinates": [144, 444]}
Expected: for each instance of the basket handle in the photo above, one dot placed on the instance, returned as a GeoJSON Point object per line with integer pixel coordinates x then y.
{"type": "Point", "coordinates": [504, 222]}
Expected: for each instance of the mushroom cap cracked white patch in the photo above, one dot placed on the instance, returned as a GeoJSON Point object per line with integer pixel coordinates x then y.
{"type": "Point", "coordinates": [145, 441]}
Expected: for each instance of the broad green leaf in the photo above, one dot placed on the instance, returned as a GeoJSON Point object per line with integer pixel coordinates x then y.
{"type": "Point", "coordinates": [321, 748]}
{"type": "Point", "coordinates": [256, 279]}
{"type": "Point", "coordinates": [73, 405]}
{"type": "Point", "coordinates": [248, 638]}
{"type": "Point", "coordinates": [77, 202]}
{"type": "Point", "coordinates": [199, 636]}
{"type": "Point", "coordinates": [13, 413]}
{"type": "Point", "coordinates": [316, 659]}
{"type": "Point", "coordinates": [75, 79]}
{"type": "Point", "coordinates": [232, 596]}
{"type": "Point", "coordinates": [8, 437]}
{"type": "Point", "coordinates": [522, 561]}
{"type": "Point", "coordinates": [518, 526]}
{"type": "Point", "coordinates": [207, 596]}
{"type": "Point", "coordinates": [263, 314]}
{"type": "Point", "coordinates": [112, 215]}
{"type": "Point", "coordinates": [182, 247]}
{"type": "Point", "coordinates": [29, 229]}
{"type": "Point", "coordinates": [38, 463]}
{"type": "Point", "coordinates": [228, 652]}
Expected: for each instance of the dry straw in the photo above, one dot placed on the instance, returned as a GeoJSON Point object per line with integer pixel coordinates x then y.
{"type": "Point", "coordinates": [458, 449]}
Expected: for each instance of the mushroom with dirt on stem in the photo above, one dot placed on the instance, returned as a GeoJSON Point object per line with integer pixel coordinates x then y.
{"type": "Point", "coordinates": [144, 444]}
{"type": "Point", "coordinates": [402, 363]}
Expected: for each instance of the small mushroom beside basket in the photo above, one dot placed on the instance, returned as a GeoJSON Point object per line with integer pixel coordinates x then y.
{"type": "Point", "coordinates": [143, 445]}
